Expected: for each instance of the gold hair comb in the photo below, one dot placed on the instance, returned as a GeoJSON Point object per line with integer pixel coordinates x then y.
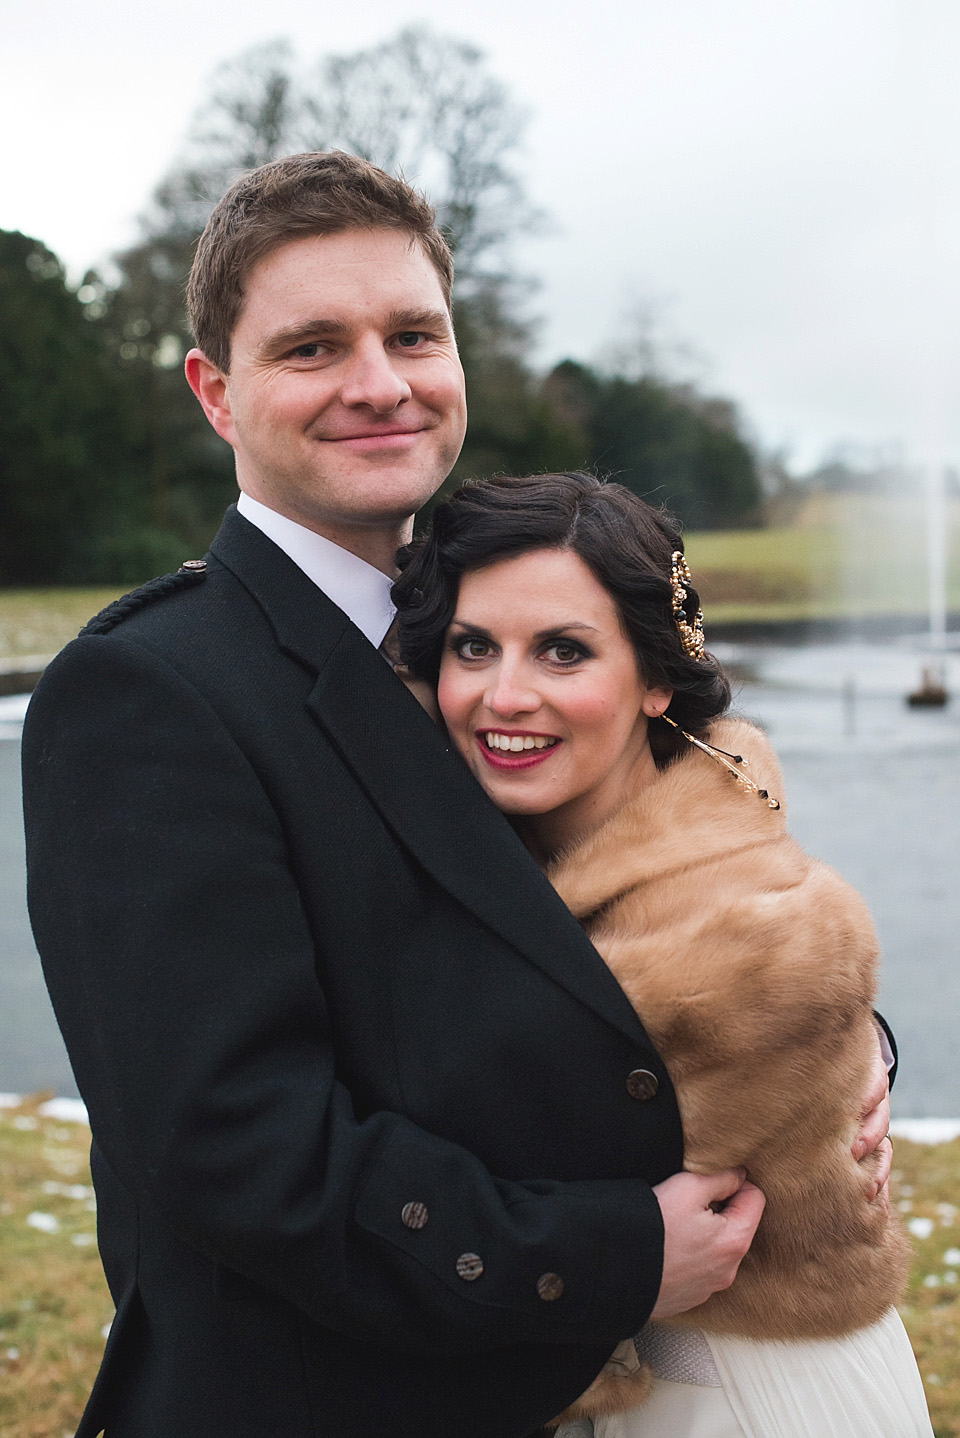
{"type": "Point", "coordinates": [691, 635]}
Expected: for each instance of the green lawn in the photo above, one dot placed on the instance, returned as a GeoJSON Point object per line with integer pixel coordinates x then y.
{"type": "Point", "coordinates": [42, 621]}
{"type": "Point", "coordinates": [846, 555]}
{"type": "Point", "coordinates": [54, 1304]}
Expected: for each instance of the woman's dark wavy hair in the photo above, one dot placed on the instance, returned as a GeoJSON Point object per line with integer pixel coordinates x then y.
{"type": "Point", "coordinates": [627, 545]}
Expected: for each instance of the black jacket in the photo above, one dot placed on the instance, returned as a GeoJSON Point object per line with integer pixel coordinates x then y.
{"type": "Point", "coordinates": [308, 977]}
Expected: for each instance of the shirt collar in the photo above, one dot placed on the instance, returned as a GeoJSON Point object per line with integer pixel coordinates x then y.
{"type": "Point", "coordinates": [356, 587]}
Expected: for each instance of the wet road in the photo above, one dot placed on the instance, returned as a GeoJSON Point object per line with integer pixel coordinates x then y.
{"type": "Point", "coordinates": [872, 787]}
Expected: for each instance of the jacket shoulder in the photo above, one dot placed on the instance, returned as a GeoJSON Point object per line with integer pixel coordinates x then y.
{"type": "Point", "coordinates": [191, 573]}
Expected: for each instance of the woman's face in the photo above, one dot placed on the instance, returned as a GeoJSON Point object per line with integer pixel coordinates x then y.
{"type": "Point", "coordinates": [542, 694]}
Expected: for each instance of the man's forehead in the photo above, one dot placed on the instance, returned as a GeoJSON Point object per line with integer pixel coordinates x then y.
{"type": "Point", "coordinates": [349, 260]}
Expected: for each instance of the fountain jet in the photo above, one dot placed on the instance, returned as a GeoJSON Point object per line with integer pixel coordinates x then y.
{"type": "Point", "coordinates": [932, 690]}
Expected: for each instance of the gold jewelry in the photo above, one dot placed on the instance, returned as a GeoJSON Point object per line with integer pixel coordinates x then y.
{"type": "Point", "coordinates": [729, 762]}
{"type": "Point", "coordinates": [691, 635]}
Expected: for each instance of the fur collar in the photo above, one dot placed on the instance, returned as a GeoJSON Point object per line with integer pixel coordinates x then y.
{"type": "Point", "coordinates": [693, 811]}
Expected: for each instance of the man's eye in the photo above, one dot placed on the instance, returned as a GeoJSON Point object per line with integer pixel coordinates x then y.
{"type": "Point", "coordinates": [409, 339]}
{"type": "Point", "coordinates": [309, 351]}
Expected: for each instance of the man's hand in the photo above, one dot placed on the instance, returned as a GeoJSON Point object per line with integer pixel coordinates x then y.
{"type": "Point", "coordinates": [873, 1139]}
{"type": "Point", "coordinates": [702, 1248]}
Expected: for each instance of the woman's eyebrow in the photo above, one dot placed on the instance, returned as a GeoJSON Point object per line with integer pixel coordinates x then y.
{"type": "Point", "coordinates": [556, 629]}
{"type": "Point", "coordinates": [465, 624]}
{"type": "Point", "coordinates": [551, 633]}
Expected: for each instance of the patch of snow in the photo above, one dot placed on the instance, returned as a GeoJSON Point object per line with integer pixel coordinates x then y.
{"type": "Point", "coordinates": [67, 1110]}
{"type": "Point", "coordinates": [926, 1130]}
{"type": "Point", "coordinates": [43, 1222]}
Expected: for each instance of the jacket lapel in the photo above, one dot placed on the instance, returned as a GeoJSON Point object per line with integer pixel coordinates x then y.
{"type": "Point", "coordinates": [417, 782]}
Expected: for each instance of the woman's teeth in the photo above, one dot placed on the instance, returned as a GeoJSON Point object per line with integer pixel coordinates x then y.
{"type": "Point", "coordinates": [517, 742]}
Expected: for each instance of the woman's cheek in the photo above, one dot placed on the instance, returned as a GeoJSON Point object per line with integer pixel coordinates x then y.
{"type": "Point", "coordinates": [454, 705]}
{"type": "Point", "coordinates": [587, 713]}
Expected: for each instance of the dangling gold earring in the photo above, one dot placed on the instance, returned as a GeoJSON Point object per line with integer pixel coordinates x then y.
{"type": "Point", "coordinates": [728, 761]}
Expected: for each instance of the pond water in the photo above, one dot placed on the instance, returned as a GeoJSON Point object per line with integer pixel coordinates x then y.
{"type": "Point", "coordinates": [871, 786]}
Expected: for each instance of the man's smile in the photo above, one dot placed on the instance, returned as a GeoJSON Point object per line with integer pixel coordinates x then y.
{"type": "Point", "coordinates": [371, 440]}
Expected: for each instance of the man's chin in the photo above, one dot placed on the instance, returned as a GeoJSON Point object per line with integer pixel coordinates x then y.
{"type": "Point", "coordinates": [390, 498]}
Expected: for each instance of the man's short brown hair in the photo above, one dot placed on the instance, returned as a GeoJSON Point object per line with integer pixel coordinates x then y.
{"type": "Point", "coordinates": [319, 193]}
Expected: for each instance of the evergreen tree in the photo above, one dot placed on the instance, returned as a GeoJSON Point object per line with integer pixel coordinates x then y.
{"type": "Point", "coordinates": [667, 442]}
{"type": "Point", "coordinates": [69, 486]}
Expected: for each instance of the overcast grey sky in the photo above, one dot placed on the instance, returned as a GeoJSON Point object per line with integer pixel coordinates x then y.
{"type": "Point", "coordinates": [783, 179]}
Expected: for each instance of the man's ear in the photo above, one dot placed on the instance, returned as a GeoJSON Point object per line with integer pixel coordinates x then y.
{"type": "Point", "coordinates": [209, 384]}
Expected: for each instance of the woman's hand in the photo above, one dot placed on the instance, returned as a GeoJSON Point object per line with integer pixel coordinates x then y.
{"type": "Point", "coordinates": [872, 1144]}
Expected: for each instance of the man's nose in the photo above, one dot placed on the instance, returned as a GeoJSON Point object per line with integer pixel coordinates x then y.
{"type": "Point", "coordinates": [371, 378]}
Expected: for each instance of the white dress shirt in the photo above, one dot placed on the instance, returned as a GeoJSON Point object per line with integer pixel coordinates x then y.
{"type": "Point", "coordinates": [362, 592]}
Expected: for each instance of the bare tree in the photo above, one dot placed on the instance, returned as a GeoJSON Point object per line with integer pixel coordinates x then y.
{"type": "Point", "coordinates": [425, 106]}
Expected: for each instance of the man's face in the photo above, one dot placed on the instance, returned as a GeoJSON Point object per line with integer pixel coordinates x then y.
{"type": "Point", "coordinates": [345, 400]}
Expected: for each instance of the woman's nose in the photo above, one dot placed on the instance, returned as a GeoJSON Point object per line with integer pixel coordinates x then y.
{"type": "Point", "coordinates": [371, 379]}
{"type": "Point", "coordinates": [510, 692]}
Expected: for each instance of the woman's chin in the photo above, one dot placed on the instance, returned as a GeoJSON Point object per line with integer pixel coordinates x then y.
{"type": "Point", "coordinates": [516, 805]}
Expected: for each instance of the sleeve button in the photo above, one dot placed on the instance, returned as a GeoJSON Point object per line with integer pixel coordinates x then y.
{"type": "Point", "coordinates": [469, 1266]}
{"type": "Point", "coordinates": [642, 1084]}
{"type": "Point", "coordinates": [549, 1286]}
{"type": "Point", "coordinates": [414, 1215]}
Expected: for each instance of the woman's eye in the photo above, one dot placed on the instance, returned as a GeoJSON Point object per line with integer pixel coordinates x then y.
{"type": "Point", "coordinates": [473, 647]}
{"type": "Point", "coordinates": [563, 651]}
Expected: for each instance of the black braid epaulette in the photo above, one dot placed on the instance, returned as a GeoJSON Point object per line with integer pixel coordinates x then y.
{"type": "Point", "coordinates": [191, 572]}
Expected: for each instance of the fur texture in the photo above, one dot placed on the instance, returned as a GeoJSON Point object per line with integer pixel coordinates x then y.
{"type": "Point", "coordinates": [753, 968]}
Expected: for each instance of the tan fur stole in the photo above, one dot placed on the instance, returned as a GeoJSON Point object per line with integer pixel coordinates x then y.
{"type": "Point", "coordinates": [753, 968]}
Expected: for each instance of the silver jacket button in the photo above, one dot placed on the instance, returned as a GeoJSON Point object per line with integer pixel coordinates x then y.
{"type": "Point", "coordinates": [469, 1266]}
{"type": "Point", "coordinates": [414, 1215]}
{"type": "Point", "coordinates": [549, 1286]}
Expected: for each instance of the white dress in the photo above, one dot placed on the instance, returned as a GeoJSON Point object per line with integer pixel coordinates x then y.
{"type": "Point", "coordinates": [864, 1385]}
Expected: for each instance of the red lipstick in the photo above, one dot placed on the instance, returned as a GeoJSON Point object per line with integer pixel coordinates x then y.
{"type": "Point", "coordinates": [523, 758]}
